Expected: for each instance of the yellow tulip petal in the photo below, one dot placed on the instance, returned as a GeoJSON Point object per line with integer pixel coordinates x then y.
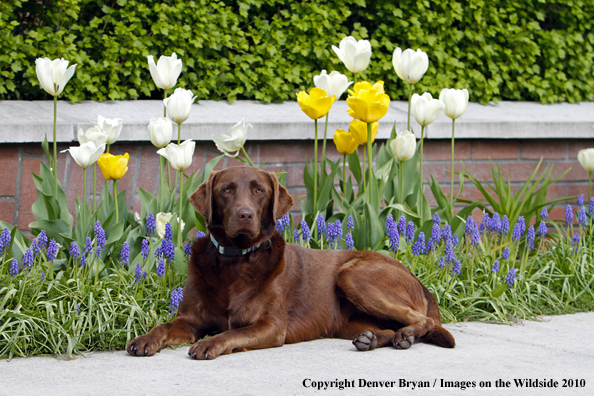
{"type": "Point", "coordinates": [344, 141]}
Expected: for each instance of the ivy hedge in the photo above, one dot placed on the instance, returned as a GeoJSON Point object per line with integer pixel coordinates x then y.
{"type": "Point", "coordinates": [536, 50]}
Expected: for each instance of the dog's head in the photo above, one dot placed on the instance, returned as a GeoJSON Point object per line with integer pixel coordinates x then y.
{"type": "Point", "coordinates": [241, 205]}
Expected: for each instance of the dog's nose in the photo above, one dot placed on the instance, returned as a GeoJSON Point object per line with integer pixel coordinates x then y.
{"type": "Point", "coordinates": [245, 214]}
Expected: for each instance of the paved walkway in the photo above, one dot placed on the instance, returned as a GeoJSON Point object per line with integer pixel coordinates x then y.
{"type": "Point", "coordinates": [555, 351]}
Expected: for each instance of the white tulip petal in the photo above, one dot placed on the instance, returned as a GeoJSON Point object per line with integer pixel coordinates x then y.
{"type": "Point", "coordinates": [65, 78]}
{"type": "Point", "coordinates": [154, 72]}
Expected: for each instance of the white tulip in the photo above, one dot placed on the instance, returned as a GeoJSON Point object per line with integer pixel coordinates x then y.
{"type": "Point", "coordinates": [54, 74]}
{"type": "Point", "coordinates": [179, 105]}
{"type": "Point", "coordinates": [410, 65]}
{"type": "Point", "coordinates": [354, 54]}
{"type": "Point", "coordinates": [86, 154]}
{"type": "Point", "coordinates": [455, 100]}
{"type": "Point", "coordinates": [160, 131]}
{"type": "Point", "coordinates": [227, 144]}
{"type": "Point", "coordinates": [179, 156]}
{"type": "Point", "coordinates": [425, 108]}
{"type": "Point", "coordinates": [166, 71]}
{"type": "Point", "coordinates": [112, 127]}
{"type": "Point", "coordinates": [404, 146]}
{"type": "Point", "coordinates": [161, 220]}
{"type": "Point", "coordinates": [334, 83]}
{"type": "Point", "coordinates": [93, 134]}
{"type": "Point", "coordinates": [586, 158]}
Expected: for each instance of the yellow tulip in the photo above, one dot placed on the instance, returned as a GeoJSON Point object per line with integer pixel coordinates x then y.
{"type": "Point", "coordinates": [359, 131]}
{"type": "Point", "coordinates": [368, 103]}
{"type": "Point", "coordinates": [345, 142]}
{"type": "Point", "coordinates": [317, 104]}
{"type": "Point", "coordinates": [113, 167]}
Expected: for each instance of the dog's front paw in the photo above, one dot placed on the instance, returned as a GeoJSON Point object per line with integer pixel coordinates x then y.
{"type": "Point", "coordinates": [206, 349]}
{"type": "Point", "coordinates": [143, 346]}
{"type": "Point", "coordinates": [365, 341]}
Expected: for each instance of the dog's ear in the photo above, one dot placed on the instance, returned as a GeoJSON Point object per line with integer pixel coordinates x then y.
{"type": "Point", "coordinates": [282, 202]}
{"type": "Point", "coordinates": [202, 198]}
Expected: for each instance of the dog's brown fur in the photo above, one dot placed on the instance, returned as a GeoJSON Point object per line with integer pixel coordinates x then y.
{"type": "Point", "coordinates": [285, 293]}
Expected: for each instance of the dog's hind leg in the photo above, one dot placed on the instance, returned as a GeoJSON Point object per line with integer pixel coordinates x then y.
{"type": "Point", "coordinates": [389, 292]}
{"type": "Point", "coordinates": [365, 335]}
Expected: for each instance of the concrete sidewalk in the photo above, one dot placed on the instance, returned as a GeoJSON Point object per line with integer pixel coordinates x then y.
{"type": "Point", "coordinates": [558, 349]}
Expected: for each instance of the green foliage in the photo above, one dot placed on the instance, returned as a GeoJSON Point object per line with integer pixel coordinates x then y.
{"type": "Point", "coordinates": [269, 49]}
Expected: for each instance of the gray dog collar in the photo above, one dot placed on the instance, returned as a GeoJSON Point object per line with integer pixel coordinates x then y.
{"type": "Point", "coordinates": [235, 252]}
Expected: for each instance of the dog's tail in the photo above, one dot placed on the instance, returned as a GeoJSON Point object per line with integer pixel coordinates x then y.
{"type": "Point", "coordinates": [438, 336]}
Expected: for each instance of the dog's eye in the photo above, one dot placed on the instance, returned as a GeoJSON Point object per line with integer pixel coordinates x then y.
{"type": "Point", "coordinates": [259, 190]}
{"type": "Point", "coordinates": [226, 190]}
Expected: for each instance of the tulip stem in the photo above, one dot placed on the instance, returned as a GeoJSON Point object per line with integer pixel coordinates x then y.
{"type": "Point", "coordinates": [344, 161]}
{"type": "Point", "coordinates": [115, 195]}
{"type": "Point", "coordinates": [364, 183]}
{"type": "Point", "coordinates": [400, 185]}
{"type": "Point", "coordinates": [84, 195]}
{"type": "Point", "coordinates": [107, 148]}
{"type": "Point", "coordinates": [55, 150]}
{"type": "Point", "coordinates": [315, 208]}
{"type": "Point", "coordinates": [247, 157]}
{"type": "Point", "coordinates": [179, 216]}
{"type": "Point", "coordinates": [324, 145]}
{"type": "Point", "coordinates": [421, 189]}
{"type": "Point", "coordinates": [410, 89]}
{"type": "Point", "coordinates": [369, 160]}
{"type": "Point", "coordinates": [590, 189]}
{"type": "Point", "coordinates": [452, 170]}
{"type": "Point", "coordinates": [94, 184]}
{"type": "Point", "coordinates": [178, 134]}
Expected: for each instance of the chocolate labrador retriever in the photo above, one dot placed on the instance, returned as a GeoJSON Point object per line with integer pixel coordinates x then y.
{"type": "Point", "coordinates": [256, 291]}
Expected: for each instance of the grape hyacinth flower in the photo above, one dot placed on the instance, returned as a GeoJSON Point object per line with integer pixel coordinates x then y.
{"type": "Point", "coordinates": [4, 241]}
{"type": "Point", "coordinates": [52, 250]}
{"type": "Point", "coordinates": [495, 223]}
{"type": "Point", "coordinates": [74, 251]}
{"type": "Point", "coordinates": [88, 246]}
{"type": "Point", "coordinates": [568, 215]}
{"type": "Point", "coordinates": [125, 254]}
{"type": "Point", "coordinates": [394, 239]}
{"type": "Point", "coordinates": [542, 229]}
{"type": "Point", "coordinates": [306, 233]}
{"type": "Point", "coordinates": [14, 268]}
{"type": "Point", "coordinates": [100, 238]}
{"type": "Point", "coordinates": [530, 236]}
{"type": "Point", "coordinates": [449, 252]}
{"type": "Point", "coordinates": [28, 259]}
{"type": "Point", "coordinates": [161, 268]}
{"type": "Point", "coordinates": [350, 244]}
{"type": "Point", "coordinates": [296, 236]}
{"type": "Point", "coordinates": [279, 226]}
{"type": "Point", "coordinates": [410, 232]}
{"type": "Point", "coordinates": [580, 200]}
{"type": "Point", "coordinates": [42, 276]}
{"type": "Point", "coordinates": [582, 218]}
{"type": "Point", "coordinates": [390, 224]}
{"type": "Point", "coordinates": [145, 250]}
{"type": "Point", "coordinates": [435, 234]}
{"type": "Point", "coordinates": [187, 250]}
{"type": "Point", "coordinates": [430, 246]}
{"type": "Point", "coordinates": [138, 273]}
{"type": "Point", "coordinates": [321, 227]}
{"type": "Point", "coordinates": [505, 254]}
{"type": "Point", "coordinates": [350, 223]}
{"type": "Point", "coordinates": [200, 234]}
{"type": "Point", "coordinates": [456, 268]}
{"type": "Point", "coordinates": [419, 246]}
{"type": "Point", "coordinates": [455, 240]}
{"type": "Point", "coordinates": [150, 224]}
{"type": "Point", "coordinates": [495, 266]}
{"type": "Point", "coordinates": [475, 239]}
{"type": "Point", "coordinates": [511, 277]}
{"type": "Point", "coordinates": [544, 214]}
{"type": "Point", "coordinates": [436, 219]}
{"type": "Point", "coordinates": [286, 221]}
{"type": "Point", "coordinates": [177, 296]}
{"type": "Point", "coordinates": [591, 206]}
{"type": "Point", "coordinates": [402, 225]}
{"type": "Point", "coordinates": [504, 225]}
{"type": "Point", "coordinates": [576, 242]}
{"type": "Point", "coordinates": [470, 226]}
{"type": "Point", "coordinates": [77, 308]}
{"type": "Point", "coordinates": [446, 232]}
{"type": "Point", "coordinates": [441, 262]}
{"type": "Point", "coordinates": [519, 229]}
{"type": "Point", "coordinates": [484, 224]}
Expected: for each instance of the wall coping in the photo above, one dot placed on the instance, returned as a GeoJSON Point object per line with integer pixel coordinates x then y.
{"type": "Point", "coordinates": [28, 121]}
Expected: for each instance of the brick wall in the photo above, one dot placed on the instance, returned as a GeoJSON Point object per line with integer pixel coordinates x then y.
{"type": "Point", "coordinates": [516, 158]}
